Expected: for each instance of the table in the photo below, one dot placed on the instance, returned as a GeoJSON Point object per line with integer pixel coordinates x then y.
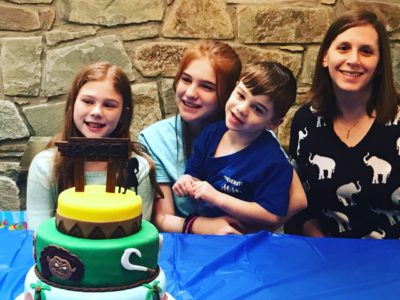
{"type": "Point", "coordinates": [256, 266]}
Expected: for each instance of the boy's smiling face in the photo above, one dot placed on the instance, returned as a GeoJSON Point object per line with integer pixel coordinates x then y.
{"type": "Point", "coordinates": [248, 114]}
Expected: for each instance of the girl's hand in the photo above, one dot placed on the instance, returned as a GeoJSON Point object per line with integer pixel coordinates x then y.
{"type": "Point", "coordinates": [183, 186]}
{"type": "Point", "coordinates": [202, 190]}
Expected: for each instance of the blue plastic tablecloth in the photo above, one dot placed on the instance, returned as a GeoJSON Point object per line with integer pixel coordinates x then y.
{"type": "Point", "coordinates": [257, 266]}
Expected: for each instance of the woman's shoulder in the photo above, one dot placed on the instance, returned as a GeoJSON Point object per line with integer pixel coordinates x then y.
{"type": "Point", "coordinates": [306, 113]}
{"type": "Point", "coordinates": [305, 109]}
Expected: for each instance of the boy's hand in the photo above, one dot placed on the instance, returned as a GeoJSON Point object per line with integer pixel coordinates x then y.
{"type": "Point", "coordinates": [202, 190]}
{"type": "Point", "coordinates": [183, 186]}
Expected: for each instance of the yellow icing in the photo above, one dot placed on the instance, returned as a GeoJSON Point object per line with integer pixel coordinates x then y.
{"type": "Point", "coordinates": [96, 205]}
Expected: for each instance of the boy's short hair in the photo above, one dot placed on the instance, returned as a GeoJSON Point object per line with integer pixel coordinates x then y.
{"type": "Point", "coordinates": [274, 80]}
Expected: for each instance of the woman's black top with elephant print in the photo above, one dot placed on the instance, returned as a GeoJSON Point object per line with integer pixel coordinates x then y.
{"type": "Point", "coordinates": [351, 191]}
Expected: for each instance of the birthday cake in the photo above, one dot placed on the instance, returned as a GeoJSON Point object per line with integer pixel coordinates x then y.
{"type": "Point", "coordinates": [96, 247]}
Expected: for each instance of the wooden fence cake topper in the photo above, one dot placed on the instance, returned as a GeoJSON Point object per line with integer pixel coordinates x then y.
{"type": "Point", "coordinates": [81, 149]}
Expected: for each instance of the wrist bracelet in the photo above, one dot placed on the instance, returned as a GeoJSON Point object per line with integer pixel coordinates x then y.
{"type": "Point", "coordinates": [187, 219]}
{"type": "Point", "coordinates": [187, 224]}
{"type": "Point", "coordinates": [190, 224]}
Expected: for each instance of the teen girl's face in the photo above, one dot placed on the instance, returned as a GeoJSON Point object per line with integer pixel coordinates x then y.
{"type": "Point", "coordinates": [352, 59]}
{"type": "Point", "coordinates": [97, 109]}
{"type": "Point", "coordinates": [196, 93]}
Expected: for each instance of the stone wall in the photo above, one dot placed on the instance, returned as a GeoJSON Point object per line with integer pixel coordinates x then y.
{"type": "Point", "coordinates": [43, 43]}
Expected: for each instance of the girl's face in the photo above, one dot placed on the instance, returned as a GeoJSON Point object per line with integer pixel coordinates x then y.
{"type": "Point", "coordinates": [196, 93]}
{"type": "Point", "coordinates": [97, 109]}
{"type": "Point", "coordinates": [352, 59]}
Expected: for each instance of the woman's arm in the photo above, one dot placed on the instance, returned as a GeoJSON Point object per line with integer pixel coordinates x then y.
{"type": "Point", "coordinates": [312, 228]}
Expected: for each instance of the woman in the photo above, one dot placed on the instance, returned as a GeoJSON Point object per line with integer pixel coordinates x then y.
{"type": "Point", "coordinates": [352, 177]}
{"type": "Point", "coordinates": [99, 104]}
{"type": "Point", "coordinates": [206, 77]}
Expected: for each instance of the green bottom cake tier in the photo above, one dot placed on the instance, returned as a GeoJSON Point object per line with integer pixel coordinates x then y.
{"type": "Point", "coordinates": [86, 263]}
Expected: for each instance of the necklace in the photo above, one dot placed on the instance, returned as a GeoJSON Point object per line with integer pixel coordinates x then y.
{"type": "Point", "coordinates": [351, 128]}
{"type": "Point", "coordinates": [348, 130]}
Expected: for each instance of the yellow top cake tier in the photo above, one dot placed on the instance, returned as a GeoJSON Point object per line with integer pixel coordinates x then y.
{"type": "Point", "coordinates": [96, 205]}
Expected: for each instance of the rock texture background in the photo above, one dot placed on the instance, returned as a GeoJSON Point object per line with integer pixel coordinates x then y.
{"type": "Point", "coordinates": [43, 43]}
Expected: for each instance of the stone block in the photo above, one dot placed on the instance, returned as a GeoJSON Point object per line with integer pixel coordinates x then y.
{"type": "Point", "coordinates": [387, 10]}
{"type": "Point", "coordinates": [111, 13]}
{"type": "Point", "coordinates": [21, 65]}
{"type": "Point", "coordinates": [48, 17]}
{"type": "Point", "coordinates": [45, 119]}
{"type": "Point", "coordinates": [269, 24]}
{"type": "Point", "coordinates": [307, 71]}
{"type": "Point", "coordinates": [31, 1]}
{"type": "Point", "coordinates": [138, 32]}
{"type": "Point", "coordinates": [396, 63]}
{"type": "Point", "coordinates": [253, 54]}
{"type": "Point", "coordinates": [278, 3]}
{"type": "Point", "coordinates": [63, 63]}
{"type": "Point", "coordinates": [198, 19]}
{"type": "Point", "coordinates": [18, 18]}
{"type": "Point", "coordinates": [158, 58]}
{"type": "Point", "coordinates": [168, 97]}
{"type": "Point", "coordinates": [33, 147]}
{"type": "Point", "coordinates": [9, 192]}
{"type": "Point", "coordinates": [12, 125]}
{"type": "Point", "coordinates": [146, 106]}
{"type": "Point", "coordinates": [68, 33]}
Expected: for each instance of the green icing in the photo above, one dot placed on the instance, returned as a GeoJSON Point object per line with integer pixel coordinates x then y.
{"type": "Point", "coordinates": [102, 258]}
{"type": "Point", "coordinates": [40, 290]}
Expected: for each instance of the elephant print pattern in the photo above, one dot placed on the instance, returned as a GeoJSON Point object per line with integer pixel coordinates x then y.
{"type": "Point", "coordinates": [380, 167]}
{"type": "Point", "coordinates": [395, 121]}
{"type": "Point", "coordinates": [346, 191]}
{"type": "Point", "coordinates": [324, 164]}
{"type": "Point", "coordinates": [341, 219]}
{"type": "Point", "coordinates": [302, 135]}
{"type": "Point", "coordinates": [396, 197]}
{"type": "Point", "coordinates": [351, 191]}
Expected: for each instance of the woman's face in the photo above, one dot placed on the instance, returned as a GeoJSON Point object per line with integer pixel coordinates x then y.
{"type": "Point", "coordinates": [352, 59]}
{"type": "Point", "coordinates": [196, 93]}
{"type": "Point", "coordinates": [97, 109]}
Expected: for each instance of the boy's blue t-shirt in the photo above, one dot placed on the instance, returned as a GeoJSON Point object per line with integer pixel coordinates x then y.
{"type": "Point", "coordinates": [258, 173]}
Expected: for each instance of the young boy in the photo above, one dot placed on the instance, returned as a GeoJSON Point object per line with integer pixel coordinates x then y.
{"type": "Point", "coordinates": [237, 167]}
